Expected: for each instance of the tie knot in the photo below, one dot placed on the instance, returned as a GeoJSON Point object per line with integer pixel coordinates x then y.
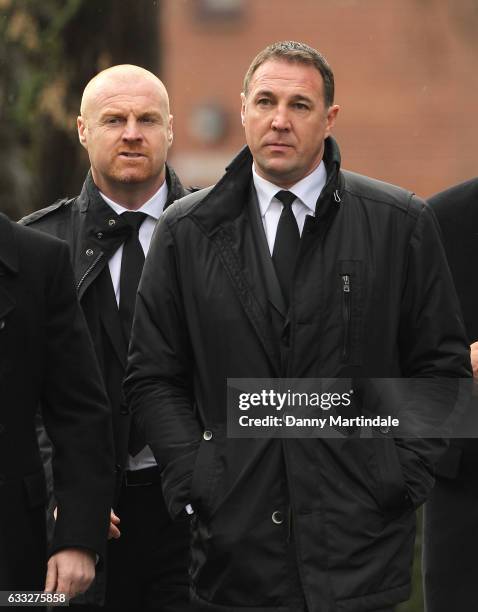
{"type": "Point", "coordinates": [135, 219]}
{"type": "Point", "coordinates": [286, 197]}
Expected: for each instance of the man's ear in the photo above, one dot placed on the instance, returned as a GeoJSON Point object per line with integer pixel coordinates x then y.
{"type": "Point", "coordinates": [82, 131]}
{"type": "Point", "coordinates": [170, 131]}
{"type": "Point", "coordinates": [243, 108]}
{"type": "Point", "coordinates": [331, 117]}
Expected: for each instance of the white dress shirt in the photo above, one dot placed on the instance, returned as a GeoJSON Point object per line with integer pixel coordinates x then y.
{"type": "Point", "coordinates": [153, 208]}
{"type": "Point", "coordinates": [307, 192]}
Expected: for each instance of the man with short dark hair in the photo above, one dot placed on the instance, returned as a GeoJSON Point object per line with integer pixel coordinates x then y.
{"type": "Point", "coordinates": [291, 268]}
{"type": "Point", "coordinates": [126, 127]}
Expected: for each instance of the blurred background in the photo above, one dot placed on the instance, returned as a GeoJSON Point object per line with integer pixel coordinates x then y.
{"type": "Point", "coordinates": [406, 79]}
{"type": "Point", "coordinates": [405, 72]}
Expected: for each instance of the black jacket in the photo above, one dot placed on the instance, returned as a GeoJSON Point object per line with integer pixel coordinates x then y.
{"type": "Point", "coordinates": [209, 308]}
{"type": "Point", "coordinates": [456, 209]}
{"type": "Point", "coordinates": [46, 355]}
{"type": "Point", "coordinates": [451, 515]}
{"type": "Point", "coordinates": [94, 232]}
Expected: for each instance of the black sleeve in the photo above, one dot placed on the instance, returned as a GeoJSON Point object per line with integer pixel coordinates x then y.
{"type": "Point", "coordinates": [159, 380]}
{"type": "Point", "coordinates": [76, 417]}
{"type": "Point", "coordinates": [433, 346]}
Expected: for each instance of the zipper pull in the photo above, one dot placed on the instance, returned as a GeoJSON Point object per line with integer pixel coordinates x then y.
{"type": "Point", "coordinates": [346, 283]}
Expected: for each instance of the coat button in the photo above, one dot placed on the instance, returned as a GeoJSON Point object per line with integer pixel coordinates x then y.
{"type": "Point", "coordinates": [2, 323]}
{"type": "Point", "coordinates": [277, 517]}
{"type": "Point", "coordinates": [89, 252]}
{"type": "Point", "coordinates": [99, 235]}
{"type": "Point", "coordinates": [207, 435]}
{"type": "Point", "coordinates": [111, 222]}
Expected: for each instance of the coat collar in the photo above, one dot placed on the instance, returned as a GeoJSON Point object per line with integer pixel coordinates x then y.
{"type": "Point", "coordinates": [8, 245]}
{"type": "Point", "coordinates": [175, 188]}
{"type": "Point", "coordinates": [90, 196]}
{"type": "Point", "coordinates": [221, 215]}
{"type": "Point", "coordinates": [101, 232]}
{"type": "Point", "coordinates": [226, 200]}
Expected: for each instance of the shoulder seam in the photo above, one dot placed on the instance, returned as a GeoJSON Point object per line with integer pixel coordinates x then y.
{"type": "Point", "coordinates": [37, 215]}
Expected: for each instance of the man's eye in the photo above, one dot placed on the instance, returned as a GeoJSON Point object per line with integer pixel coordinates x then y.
{"type": "Point", "coordinates": [264, 102]}
{"type": "Point", "coordinates": [300, 106]}
{"type": "Point", "coordinates": [113, 120]}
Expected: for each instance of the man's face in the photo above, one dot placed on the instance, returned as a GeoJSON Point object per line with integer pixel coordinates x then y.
{"type": "Point", "coordinates": [286, 120]}
{"type": "Point", "coordinates": [127, 130]}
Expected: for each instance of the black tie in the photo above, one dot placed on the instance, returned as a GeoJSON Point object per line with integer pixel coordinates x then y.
{"type": "Point", "coordinates": [286, 243]}
{"type": "Point", "coordinates": [132, 263]}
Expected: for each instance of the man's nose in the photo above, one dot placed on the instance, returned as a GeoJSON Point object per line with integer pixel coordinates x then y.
{"type": "Point", "coordinates": [132, 130]}
{"type": "Point", "coordinates": [281, 120]}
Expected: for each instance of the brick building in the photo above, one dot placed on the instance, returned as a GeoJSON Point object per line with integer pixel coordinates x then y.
{"type": "Point", "coordinates": [405, 79]}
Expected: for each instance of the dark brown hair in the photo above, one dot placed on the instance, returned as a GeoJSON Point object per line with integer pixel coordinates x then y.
{"type": "Point", "coordinates": [301, 53]}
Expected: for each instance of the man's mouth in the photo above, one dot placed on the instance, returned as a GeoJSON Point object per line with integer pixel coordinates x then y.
{"type": "Point", "coordinates": [278, 144]}
{"type": "Point", "coordinates": [130, 154]}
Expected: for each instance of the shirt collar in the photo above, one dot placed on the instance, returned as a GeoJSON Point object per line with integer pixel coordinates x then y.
{"type": "Point", "coordinates": [153, 207]}
{"type": "Point", "coordinates": [307, 189]}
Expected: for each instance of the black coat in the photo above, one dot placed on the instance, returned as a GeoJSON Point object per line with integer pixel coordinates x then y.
{"type": "Point", "coordinates": [94, 232]}
{"type": "Point", "coordinates": [451, 515]}
{"type": "Point", "coordinates": [209, 308]}
{"type": "Point", "coordinates": [457, 212]}
{"type": "Point", "coordinates": [46, 355]}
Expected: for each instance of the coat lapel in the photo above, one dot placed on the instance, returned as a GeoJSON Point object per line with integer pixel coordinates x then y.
{"type": "Point", "coordinates": [249, 293]}
{"type": "Point", "coordinates": [224, 217]}
{"type": "Point", "coordinates": [101, 233]}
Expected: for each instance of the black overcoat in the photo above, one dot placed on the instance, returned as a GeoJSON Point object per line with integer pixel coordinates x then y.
{"type": "Point", "coordinates": [330, 520]}
{"type": "Point", "coordinates": [94, 232]}
{"type": "Point", "coordinates": [46, 356]}
{"type": "Point", "coordinates": [451, 515]}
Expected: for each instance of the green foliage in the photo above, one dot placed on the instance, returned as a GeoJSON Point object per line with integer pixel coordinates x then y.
{"type": "Point", "coordinates": [33, 56]}
{"type": "Point", "coordinates": [415, 603]}
{"type": "Point", "coordinates": [49, 50]}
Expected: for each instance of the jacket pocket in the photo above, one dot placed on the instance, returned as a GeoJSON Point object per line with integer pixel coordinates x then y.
{"type": "Point", "coordinates": [351, 300]}
{"type": "Point", "coordinates": [393, 493]}
{"type": "Point", "coordinates": [202, 483]}
{"type": "Point", "coordinates": [35, 487]}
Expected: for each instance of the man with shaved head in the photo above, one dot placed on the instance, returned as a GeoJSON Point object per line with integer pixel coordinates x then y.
{"type": "Point", "coordinates": [126, 127]}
